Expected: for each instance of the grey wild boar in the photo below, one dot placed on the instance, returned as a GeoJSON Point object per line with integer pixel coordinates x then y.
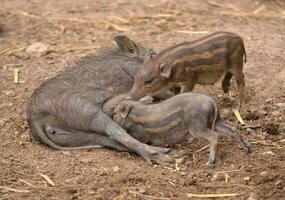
{"type": "Point", "coordinates": [202, 61]}
{"type": "Point", "coordinates": [66, 113]}
{"type": "Point", "coordinates": [173, 120]}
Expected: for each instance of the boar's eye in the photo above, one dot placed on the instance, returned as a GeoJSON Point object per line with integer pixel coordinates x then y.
{"type": "Point", "coordinates": [148, 81]}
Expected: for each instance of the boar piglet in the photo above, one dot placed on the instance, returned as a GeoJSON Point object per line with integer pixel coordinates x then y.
{"type": "Point", "coordinates": [172, 120]}
{"type": "Point", "coordinates": [203, 61]}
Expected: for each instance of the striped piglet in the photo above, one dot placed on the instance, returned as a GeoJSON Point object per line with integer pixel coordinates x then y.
{"type": "Point", "coordinates": [174, 121]}
{"type": "Point", "coordinates": [203, 61]}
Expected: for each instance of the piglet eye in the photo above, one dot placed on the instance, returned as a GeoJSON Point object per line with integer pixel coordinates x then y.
{"type": "Point", "coordinates": [148, 81]}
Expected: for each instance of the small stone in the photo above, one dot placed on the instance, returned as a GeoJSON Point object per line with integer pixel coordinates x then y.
{"type": "Point", "coordinates": [91, 192]}
{"type": "Point", "coordinates": [278, 182]}
{"type": "Point", "coordinates": [247, 178]}
{"type": "Point", "coordinates": [183, 173]}
{"type": "Point", "coordinates": [275, 113]}
{"type": "Point", "coordinates": [86, 160]}
{"type": "Point", "coordinates": [66, 153]}
{"type": "Point", "coordinates": [22, 55]}
{"type": "Point", "coordinates": [38, 49]}
{"type": "Point", "coordinates": [141, 190]}
{"type": "Point", "coordinates": [2, 123]}
{"type": "Point", "coordinates": [281, 106]}
{"type": "Point", "coordinates": [116, 169]}
{"type": "Point", "coordinates": [264, 173]}
{"type": "Point", "coordinates": [268, 153]}
{"type": "Point", "coordinates": [250, 130]}
{"type": "Point", "coordinates": [252, 196]}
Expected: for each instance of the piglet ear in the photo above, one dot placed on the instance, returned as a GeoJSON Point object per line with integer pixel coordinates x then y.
{"type": "Point", "coordinates": [165, 69]}
{"type": "Point", "coordinates": [127, 46]}
{"type": "Point", "coordinates": [124, 110]}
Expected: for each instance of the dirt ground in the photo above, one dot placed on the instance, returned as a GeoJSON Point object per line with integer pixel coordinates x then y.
{"type": "Point", "coordinates": [74, 29]}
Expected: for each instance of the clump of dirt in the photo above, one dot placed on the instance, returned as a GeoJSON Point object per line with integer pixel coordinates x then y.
{"type": "Point", "coordinates": [271, 129]}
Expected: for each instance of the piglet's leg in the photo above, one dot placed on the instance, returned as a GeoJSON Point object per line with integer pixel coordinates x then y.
{"type": "Point", "coordinates": [212, 138]}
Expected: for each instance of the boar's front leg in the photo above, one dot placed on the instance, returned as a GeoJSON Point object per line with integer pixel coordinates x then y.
{"type": "Point", "coordinates": [102, 122]}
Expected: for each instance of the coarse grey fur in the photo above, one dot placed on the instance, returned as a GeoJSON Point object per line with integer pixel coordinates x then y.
{"type": "Point", "coordinates": [66, 113]}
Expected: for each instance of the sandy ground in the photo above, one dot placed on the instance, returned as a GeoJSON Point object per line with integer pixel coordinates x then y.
{"type": "Point", "coordinates": [77, 28]}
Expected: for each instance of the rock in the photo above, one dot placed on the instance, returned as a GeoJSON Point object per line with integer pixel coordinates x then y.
{"type": "Point", "coordinates": [281, 106]}
{"type": "Point", "coordinates": [264, 173]}
{"type": "Point", "coordinates": [183, 173]}
{"type": "Point", "coordinates": [268, 153]}
{"type": "Point", "coordinates": [279, 182]}
{"type": "Point", "coordinates": [141, 190]}
{"type": "Point", "coordinates": [250, 130]}
{"type": "Point", "coordinates": [22, 55]}
{"type": "Point", "coordinates": [116, 169]}
{"type": "Point", "coordinates": [66, 153]}
{"type": "Point", "coordinates": [252, 196]}
{"type": "Point", "coordinates": [86, 160]}
{"type": "Point", "coordinates": [276, 113]}
{"type": "Point", "coordinates": [2, 123]}
{"type": "Point", "coordinates": [38, 49]}
{"type": "Point", "coordinates": [246, 179]}
{"type": "Point", "coordinates": [217, 177]}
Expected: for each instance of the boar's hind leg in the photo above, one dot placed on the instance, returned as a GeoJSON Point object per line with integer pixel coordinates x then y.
{"type": "Point", "coordinates": [232, 133]}
{"type": "Point", "coordinates": [74, 138]}
{"type": "Point", "coordinates": [227, 82]}
{"type": "Point", "coordinates": [212, 138]}
{"type": "Point", "coordinates": [237, 67]}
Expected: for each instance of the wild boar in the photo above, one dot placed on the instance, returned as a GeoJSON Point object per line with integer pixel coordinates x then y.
{"type": "Point", "coordinates": [66, 113]}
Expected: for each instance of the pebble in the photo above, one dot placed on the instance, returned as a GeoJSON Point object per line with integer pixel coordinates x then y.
{"type": "Point", "coordinates": [66, 153]}
{"type": "Point", "coordinates": [281, 106]}
{"type": "Point", "coordinates": [183, 173]}
{"type": "Point", "coordinates": [116, 169]}
{"type": "Point", "coordinates": [250, 130]}
{"type": "Point", "coordinates": [141, 190]}
{"type": "Point", "coordinates": [268, 153]}
{"type": "Point", "coordinates": [278, 182]}
{"type": "Point", "coordinates": [38, 49]}
{"type": "Point", "coordinates": [275, 113]}
{"type": "Point", "coordinates": [247, 178]}
{"type": "Point", "coordinates": [86, 160]}
{"type": "Point", "coordinates": [252, 196]}
{"type": "Point", "coordinates": [264, 173]}
{"type": "Point", "coordinates": [22, 55]}
{"type": "Point", "coordinates": [2, 122]}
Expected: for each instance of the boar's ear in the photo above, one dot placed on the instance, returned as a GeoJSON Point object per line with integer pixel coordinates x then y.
{"type": "Point", "coordinates": [128, 47]}
{"type": "Point", "coordinates": [165, 69]}
{"type": "Point", "coordinates": [124, 110]}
